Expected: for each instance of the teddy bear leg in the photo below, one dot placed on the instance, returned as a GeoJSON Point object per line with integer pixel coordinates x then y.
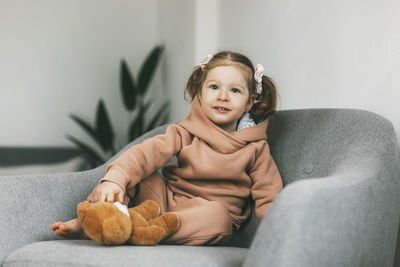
{"type": "Point", "coordinates": [149, 209]}
{"type": "Point", "coordinates": [147, 235]}
{"type": "Point", "coordinates": [168, 221]}
{"type": "Point", "coordinates": [142, 234]}
{"type": "Point", "coordinates": [116, 230]}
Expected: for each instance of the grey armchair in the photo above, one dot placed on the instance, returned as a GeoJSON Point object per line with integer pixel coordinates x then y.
{"type": "Point", "coordinates": [340, 205]}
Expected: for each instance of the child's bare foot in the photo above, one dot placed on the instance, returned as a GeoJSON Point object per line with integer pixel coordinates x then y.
{"type": "Point", "coordinates": [71, 229]}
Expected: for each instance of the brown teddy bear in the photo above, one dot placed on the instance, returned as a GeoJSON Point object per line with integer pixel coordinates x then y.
{"type": "Point", "coordinates": [114, 224]}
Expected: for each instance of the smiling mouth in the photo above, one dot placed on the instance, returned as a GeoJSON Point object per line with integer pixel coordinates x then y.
{"type": "Point", "coordinates": [221, 109]}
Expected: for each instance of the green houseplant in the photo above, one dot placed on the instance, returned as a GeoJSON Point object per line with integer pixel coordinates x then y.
{"type": "Point", "coordinates": [133, 97]}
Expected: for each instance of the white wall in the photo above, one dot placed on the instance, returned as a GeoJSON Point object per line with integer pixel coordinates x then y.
{"type": "Point", "coordinates": [322, 54]}
{"type": "Point", "coordinates": [206, 28]}
{"type": "Point", "coordinates": [190, 31]}
{"type": "Point", "coordinates": [176, 29]}
{"type": "Point", "coordinates": [58, 57]}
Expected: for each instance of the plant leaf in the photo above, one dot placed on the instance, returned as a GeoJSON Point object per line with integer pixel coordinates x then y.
{"type": "Point", "coordinates": [147, 105]}
{"type": "Point", "coordinates": [92, 156]}
{"type": "Point", "coordinates": [164, 119]}
{"type": "Point", "coordinates": [148, 68]}
{"type": "Point", "coordinates": [136, 128]}
{"type": "Point", "coordinates": [104, 127]}
{"type": "Point", "coordinates": [91, 130]}
{"type": "Point", "coordinates": [128, 87]}
{"type": "Point", "coordinates": [160, 117]}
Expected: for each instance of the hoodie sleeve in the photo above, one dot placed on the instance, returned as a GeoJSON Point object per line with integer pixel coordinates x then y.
{"type": "Point", "coordinates": [267, 181]}
{"type": "Point", "coordinates": [141, 160]}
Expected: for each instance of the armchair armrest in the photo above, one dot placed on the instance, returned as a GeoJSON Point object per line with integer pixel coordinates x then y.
{"type": "Point", "coordinates": [347, 219]}
{"type": "Point", "coordinates": [30, 204]}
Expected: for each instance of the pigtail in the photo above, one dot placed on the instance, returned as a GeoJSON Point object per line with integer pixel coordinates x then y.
{"type": "Point", "coordinates": [194, 83]}
{"type": "Point", "coordinates": [266, 102]}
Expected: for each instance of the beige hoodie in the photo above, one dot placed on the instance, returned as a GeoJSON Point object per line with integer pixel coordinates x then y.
{"type": "Point", "coordinates": [212, 164]}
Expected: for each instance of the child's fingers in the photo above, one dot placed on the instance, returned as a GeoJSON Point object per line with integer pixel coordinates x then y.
{"type": "Point", "coordinates": [102, 197]}
{"type": "Point", "coordinates": [92, 197]}
{"type": "Point", "coordinates": [126, 199]}
{"type": "Point", "coordinates": [106, 192]}
{"type": "Point", "coordinates": [120, 197]}
{"type": "Point", "coordinates": [110, 197]}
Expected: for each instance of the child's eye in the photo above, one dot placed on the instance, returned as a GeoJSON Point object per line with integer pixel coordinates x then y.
{"type": "Point", "coordinates": [235, 90]}
{"type": "Point", "coordinates": [214, 86]}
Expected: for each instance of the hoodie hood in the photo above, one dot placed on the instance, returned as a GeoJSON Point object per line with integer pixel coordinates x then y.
{"type": "Point", "coordinates": [199, 125]}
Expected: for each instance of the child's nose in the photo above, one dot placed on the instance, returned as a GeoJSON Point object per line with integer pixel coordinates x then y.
{"type": "Point", "coordinates": [223, 94]}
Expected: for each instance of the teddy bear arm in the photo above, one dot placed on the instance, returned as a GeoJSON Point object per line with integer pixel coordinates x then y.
{"type": "Point", "coordinates": [82, 209]}
{"type": "Point", "coordinates": [149, 209]}
{"type": "Point", "coordinates": [137, 219]}
{"type": "Point", "coordinates": [104, 222]}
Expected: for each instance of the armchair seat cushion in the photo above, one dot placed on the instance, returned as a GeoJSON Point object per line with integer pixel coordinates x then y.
{"type": "Point", "coordinates": [89, 253]}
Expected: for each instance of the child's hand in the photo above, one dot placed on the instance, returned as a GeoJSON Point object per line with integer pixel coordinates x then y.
{"type": "Point", "coordinates": [106, 192]}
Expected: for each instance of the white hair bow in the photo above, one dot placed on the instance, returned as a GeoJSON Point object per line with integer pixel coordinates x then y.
{"type": "Point", "coordinates": [205, 62]}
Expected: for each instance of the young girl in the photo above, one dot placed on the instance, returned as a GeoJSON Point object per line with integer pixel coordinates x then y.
{"type": "Point", "coordinates": [223, 156]}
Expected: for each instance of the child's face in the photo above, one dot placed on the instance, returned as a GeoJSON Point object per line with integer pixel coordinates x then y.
{"type": "Point", "coordinates": [225, 97]}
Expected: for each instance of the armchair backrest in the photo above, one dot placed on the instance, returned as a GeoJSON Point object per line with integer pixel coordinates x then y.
{"type": "Point", "coordinates": [315, 143]}
{"type": "Point", "coordinates": [311, 143]}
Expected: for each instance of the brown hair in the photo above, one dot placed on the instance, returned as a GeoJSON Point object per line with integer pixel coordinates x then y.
{"type": "Point", "coordinates": [267, 100]}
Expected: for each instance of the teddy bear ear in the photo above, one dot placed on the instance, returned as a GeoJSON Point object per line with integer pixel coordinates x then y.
{"type": "Point", "coordinates": [82, 208]}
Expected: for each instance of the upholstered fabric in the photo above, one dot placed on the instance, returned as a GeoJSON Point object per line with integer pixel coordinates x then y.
{"type": "Point", "coordinates": [31, 203]}
{"type": "Point", "coordinates": [340, 205]}
{"type": "Point", "coordinates": [88, 253]}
